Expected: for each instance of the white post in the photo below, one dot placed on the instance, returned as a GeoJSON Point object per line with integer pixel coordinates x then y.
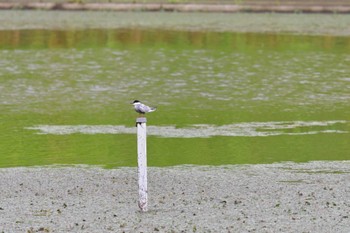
{"type": "Point", "coordinates": [142, 162]}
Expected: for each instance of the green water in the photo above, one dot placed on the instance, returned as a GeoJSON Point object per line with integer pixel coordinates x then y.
{"type": "Point", "coordinates": [296, 86]}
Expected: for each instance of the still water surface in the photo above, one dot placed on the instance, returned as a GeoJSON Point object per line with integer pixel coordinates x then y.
{"type": "Point", "coordinates": [222, 97]}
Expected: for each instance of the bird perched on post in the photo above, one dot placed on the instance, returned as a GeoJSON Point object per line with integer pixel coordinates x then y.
{"type": "Point", "coordinates": [141, 108]}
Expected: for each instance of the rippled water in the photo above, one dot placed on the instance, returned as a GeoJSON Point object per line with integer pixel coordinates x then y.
{"type": "Point", "coordinates": [222, 97]}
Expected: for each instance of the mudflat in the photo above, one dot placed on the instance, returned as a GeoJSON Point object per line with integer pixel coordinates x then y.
{"type": "Point", "coordinates": [280, 197]}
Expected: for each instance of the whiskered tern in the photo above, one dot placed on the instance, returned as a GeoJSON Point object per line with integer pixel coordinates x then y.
{"type": "Point", "coordinates": [141, 108]}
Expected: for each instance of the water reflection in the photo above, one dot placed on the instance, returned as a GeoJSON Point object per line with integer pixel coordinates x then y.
{"type": "Point", "coordinates": [43, 39]}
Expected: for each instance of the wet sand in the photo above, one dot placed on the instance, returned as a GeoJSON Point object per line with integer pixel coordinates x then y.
{"type": "Point", "coordinates": [281, 197]}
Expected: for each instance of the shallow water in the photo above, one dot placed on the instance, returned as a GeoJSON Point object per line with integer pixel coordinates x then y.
{"type": "Point", "coordinates": [222, 97]}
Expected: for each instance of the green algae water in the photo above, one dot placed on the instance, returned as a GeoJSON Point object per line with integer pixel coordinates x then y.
{"type": "Point", "coordinates": [222, 97]}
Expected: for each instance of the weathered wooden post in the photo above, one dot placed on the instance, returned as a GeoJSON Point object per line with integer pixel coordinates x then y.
{"type": "Point", "coordinates": [142, 151]}
{"type": "Point", "coordinates": [142, 161]}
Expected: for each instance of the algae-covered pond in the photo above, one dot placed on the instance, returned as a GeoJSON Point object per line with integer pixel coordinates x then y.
{"type": "Point", "coordinates": [223, 96]}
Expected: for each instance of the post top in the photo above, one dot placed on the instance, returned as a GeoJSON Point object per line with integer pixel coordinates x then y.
{"type": "Point", "coordinates": [141, 120]}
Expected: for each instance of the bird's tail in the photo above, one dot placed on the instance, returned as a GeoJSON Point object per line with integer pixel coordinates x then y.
{"type": "Point", "coordinates": [152, 109]}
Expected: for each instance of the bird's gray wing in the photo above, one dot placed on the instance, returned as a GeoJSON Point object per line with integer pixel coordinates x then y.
{"type": "Point", "coordinates": [144, 108]}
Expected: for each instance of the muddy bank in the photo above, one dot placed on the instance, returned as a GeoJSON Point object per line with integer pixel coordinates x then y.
{"type": "Point", "coordinates": [306, 24]}
{"type": "Point", "coordinates": [229, 8]}
{"type": "Point", "coordinates": [308, 197]}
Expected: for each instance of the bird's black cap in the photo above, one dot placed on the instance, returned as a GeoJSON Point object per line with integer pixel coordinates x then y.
{"type": "Point", "coordinates": [136, 101]}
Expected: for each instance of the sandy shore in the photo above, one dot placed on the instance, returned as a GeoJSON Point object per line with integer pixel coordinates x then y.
{"type": "Point", "coordinates": [288, 197]}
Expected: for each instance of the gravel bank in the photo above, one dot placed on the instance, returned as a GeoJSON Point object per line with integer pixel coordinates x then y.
{"type": "Point", "coordinates": [288, 197]}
